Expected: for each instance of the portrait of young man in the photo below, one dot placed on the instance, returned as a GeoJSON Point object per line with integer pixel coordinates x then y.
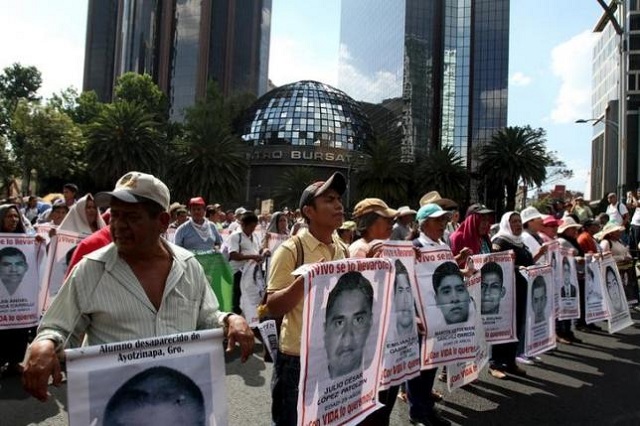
{"type": "Point", "coordinates": [13, 267]}
{"type": "Point", "coordinates": [403, 302]}
{"type": "Point", "coordinates": [451, 294]}
{"type": "Point", "coordinates": [492, 288]}
{"type": "Point", "coordinates": [567, 289]}
{"type": "Point", "coordinates": [616, 302]}
{"type": "Point", "coordinates": [539, 299]}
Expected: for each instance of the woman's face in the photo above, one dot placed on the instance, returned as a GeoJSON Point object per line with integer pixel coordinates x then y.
{"type": "Point", "coordinates": [282, 224]}
{"type": "Point", "coordinates": [380, 229]}
{"type": "Point", "coordinates": [484, 224]}
{"type": "Point", "coordinates": [11, 220]}
{"type": "Point", "coordinates": [515, 222]}
{"type": "Point", "coordinates": [91, 211]}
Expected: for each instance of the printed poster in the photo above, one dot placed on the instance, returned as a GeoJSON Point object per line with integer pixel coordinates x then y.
{"type": "Point", "coordinates": [20, 264]}
{"type": "Point", "coordinates": [554, 258]}
{"type": "Point", "coordinates": [61, 249]}
{"type": "Point", "coordinates": [252, 290]}
{"type": "Point", "coordinates": [629, 281]}
{"type": "Point", "coordinates": [540, 331]}
{"type": "Point", "coordinates": [617, 306]}
{"type": "Point", "coordinates": [569, 289]}
{"type": "Point", "coordinates": [401, 359]}
{"type": "Point", "coordinates": [446, 307]}
{"type": "Point", "coordinates": [174, 380]}
{"type": "Point", "coordinates": [595, 304]}
{"type": "Point", "coordinates": [345, 317]}
{"type": "Point", "coordinates": [269, 333]}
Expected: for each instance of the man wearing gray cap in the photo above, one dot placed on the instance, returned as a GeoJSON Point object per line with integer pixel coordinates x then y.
{"type": "Point", "coordinates": [137, 287]}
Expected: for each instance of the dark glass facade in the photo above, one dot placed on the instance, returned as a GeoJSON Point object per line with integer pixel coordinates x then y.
{"type": "Point", "coordinates": [182, 44]}
{"type": "Point", "coordinates": [435, 69]}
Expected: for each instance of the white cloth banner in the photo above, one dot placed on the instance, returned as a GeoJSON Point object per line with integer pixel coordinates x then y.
{"type": "Point", "coordinates": [540, 330]}
{"type": "Point", "coordinates": [595, 305]}
{"type": "Point", "coordinates": [617, 307]}
{"type": "Point", "coordinates": [447, 309]}
{"type": "Point", "coordinates": [348, 304]}
{"type": "Point", "coordinates": [173, 380]}
{"type": "Point", "coordinates": [60, 252]}
{"type": "Point", "coordinates": [20, 271]}
{"type": "Point", "coordinates": [569, 290]}
{"type": "Point", "coordinates": [401, 359]}
{"type": "Point", "coordinates": [252, 288]}
{"type": "Point", "coordinates": [496, 274]}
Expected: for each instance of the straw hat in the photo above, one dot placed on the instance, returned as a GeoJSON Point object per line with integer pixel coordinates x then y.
{"type": "Point", "coordinates": [568, 222]}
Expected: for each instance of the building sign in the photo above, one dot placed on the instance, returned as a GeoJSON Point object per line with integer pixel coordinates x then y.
{"type": "Point", "coordinates": [298, 154]}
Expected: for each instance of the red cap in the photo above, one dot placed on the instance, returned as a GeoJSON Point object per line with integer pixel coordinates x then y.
{"type": "Point", "coordinates": [197, 201]}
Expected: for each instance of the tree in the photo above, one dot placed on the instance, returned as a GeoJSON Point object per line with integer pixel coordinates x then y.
{"type": "Point", "coordinates": [123, 137]}
{"type": "Point", "coordinates": [16, 82]}
{"type": "Point", "coordinates": [291, 183]}
{"type": "Point", "coordinates": [208, 159]}
{"type": "Point", "coordinates": [383, 175]}
{"type": "Point", "coordinates": [441, 170]}
{"type": "Point", "coordinates": [514, 155]}
{"type": "Point", "coordinates": [8, 166]}
{"type": "Point", "coordinates": [140, 88]}
{"type": "Point", "coordinates": [50, 142]}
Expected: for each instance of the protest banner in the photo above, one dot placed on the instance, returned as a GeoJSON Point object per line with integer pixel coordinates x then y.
{"type": "Point", "coordinates": [348, 303]}
{"type": "Point", "coordinates": [177, 379]}
{"type": "Point", "coordinates": [20, 272]}
{"type": "Point", "coordinates": [617, 307]}
{"type": "Point", "coordinates": [401, 358]}
{"type": "Point", "coordinates": [43, 229]}
{"type": "Point", "coordinates": [629, 281]}
{"type": "Point", "coordinates": [488, 273]}
{"type": "Point", "coordinates": [252, 289]}
{"type": "Point", "coordinates": [447, 309]}
{"type": "Point", "coordinates": [540, 331]}
{"type": "Point", "coordinates": [273, 242]}
{"type": "Point", "coordinates": [569, 290]}
{"type": "Point", "coordinates": [220, 277]}
{"type": "Point", "coordinates": [496, 276]}
{"type": "Point", "coordinates": [269, 333]}
{"type": "Point", "coordinates": [595, 305]}
{"type": "Point", "coordinates": [61, 249]}
{"type": "Point", "coordinates": [554, 259]}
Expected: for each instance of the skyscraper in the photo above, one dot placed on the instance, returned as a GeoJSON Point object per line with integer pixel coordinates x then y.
{"type": "Point", "coordinates": [182, 44]}
{"type": "Point", "coordinates": [436, 69]}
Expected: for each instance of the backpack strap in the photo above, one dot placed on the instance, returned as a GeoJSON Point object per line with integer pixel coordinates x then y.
{"type": "Point", "coordinates": [299, 251]}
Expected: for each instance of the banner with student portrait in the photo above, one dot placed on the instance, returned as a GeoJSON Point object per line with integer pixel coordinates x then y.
{"type": "Point", "coordinates": [554, 259]}
{"type": "Point", "coordinates": [345, 317]}
{"type": "Point", "coordinates": [540, 331]}
{"type": "Point", "coordinates": [496, 278]}
{"type": "Point", "coordinates": [447, 308]}
{"type": "Point", "coordinates": [595, 304]}
{"type": "Point", "coordinates": [176, 379]}
{"type": "Point", "coordinates": [617, 306]}
{"type": "Point", "coordinates": [61, 249]}
{"type": "Point", "coordinates": [464, 372]}
{"type": "Point", "coordinates": [21, 259]}
{"type": "Point", "coordinates": [569, 289]}
{"type": "Point", "coordinates": [629, 281]}
{"type": "Point", "coordinates": [44, 229]}
{"type": "Point", "coordinates": [252, 289]}
{"type": "Point", "coordinates": [401, 359]}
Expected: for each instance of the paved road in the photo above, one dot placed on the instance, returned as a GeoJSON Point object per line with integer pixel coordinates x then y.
{"type": "Point", "coordinates": [594, 383]}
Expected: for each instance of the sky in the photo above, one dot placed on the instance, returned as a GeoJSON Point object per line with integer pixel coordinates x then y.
{"type": "Point", "coordinates": [550, 51]}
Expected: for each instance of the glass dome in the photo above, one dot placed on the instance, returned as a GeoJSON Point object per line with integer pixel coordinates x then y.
{"type": "Point", "coordinates": [306, 113]}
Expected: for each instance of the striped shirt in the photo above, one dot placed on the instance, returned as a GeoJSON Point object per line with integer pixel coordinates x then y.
{"type": "Point", "coordinates": [103, 299]}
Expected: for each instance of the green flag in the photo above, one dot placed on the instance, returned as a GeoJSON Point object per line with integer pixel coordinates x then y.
{"type": "Point", "coordinates": [220, 277]}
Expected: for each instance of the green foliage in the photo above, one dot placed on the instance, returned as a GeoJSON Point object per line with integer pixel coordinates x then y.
{"type": "Point", "coordinates": [383, 175]}
{"type": "Point", "coordinates": [139, 88]}
{"type": "Point", "coordinates": [16, 82]}
{"type": "Point", "coordinates": [50, 142]}
{"type": "Point", "coordinates": [291, 183]}
{"type": "Point", "coordinates": [514, 155]}
{"type": "Point", "coordinates": [123, 137]}
{"type": "Point", "coordinates": [441, 170]}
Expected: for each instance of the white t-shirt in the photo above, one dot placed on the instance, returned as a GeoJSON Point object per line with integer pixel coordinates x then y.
{"type": "Point", "coordinates": [241, 243]}
{"type": "Point", "coordinates": [616, 212]}
{"type": "Point", "coordinates": [635, 220]}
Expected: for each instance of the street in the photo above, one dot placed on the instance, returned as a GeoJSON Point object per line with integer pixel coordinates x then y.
{"type": "Point", "coordinates": [593, 383]}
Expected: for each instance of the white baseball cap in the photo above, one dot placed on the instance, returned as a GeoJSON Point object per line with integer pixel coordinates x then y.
{"type": "Point", "coordinates": [136, 187]}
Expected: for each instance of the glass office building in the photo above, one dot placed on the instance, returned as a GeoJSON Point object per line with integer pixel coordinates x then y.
{"type": "Point", "coordinates": [437, 70]}
{"type": "Point", "coordinates": [182, 44]}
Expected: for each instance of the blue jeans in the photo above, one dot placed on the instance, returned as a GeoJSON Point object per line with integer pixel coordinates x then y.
{"type": "Point", "coordinates": [284, 390]}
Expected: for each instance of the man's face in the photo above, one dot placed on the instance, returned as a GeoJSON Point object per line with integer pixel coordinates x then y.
{"type": "Point", "coordinates": [230, 217]}
{"type": "Point", "coordinates": [132, 229]}
{"type": "Point", "coordinates": [614, 290]}
{"type": "Point", "coordinates": [492, 292]}
{"type": "Point", "coordinates": [539, 303]}
{"type": "Point", "coordinates": [566, 273]}
{"type": "Point", "coordinates": [160, 414]}
{"type": "Point", "coordinates": [434, 227]}
{"type": "Point", "coordinates": [249, 228]}
{"type": "Point", "coordinates": [612, 199]}
{"type": "Point", "coordinates": [181, 218]}
{"type": "Point", "coordinates": [452, 298]}
{"type": "Point", "coordinates": [381, 228]}
{"type": "Point", "coordinates": [326, 211]}
{"type": "Point", "coordinates": [346, 332]}
{"type": "Point", "coordinates": [404, 305]}
{"type": "Point", "coordinates": [12, 270]}
{"type": "Point", "coordinates": [197, 213]}
{"type": "Point", "coordinates": [68, 194]}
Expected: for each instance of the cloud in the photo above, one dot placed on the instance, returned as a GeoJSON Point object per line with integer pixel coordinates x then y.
{"type": "Point", "coordinates": [520, 79]}
{"type": "Point", "coordinates": [290, 61]}
{"type": "Point", "coordinates": [571, 63]}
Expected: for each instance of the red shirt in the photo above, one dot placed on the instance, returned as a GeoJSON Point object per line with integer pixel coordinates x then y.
{"type": "Point", "coordinates": [93, 242]}
{"type": "Point", "coordinates": [587, 243]}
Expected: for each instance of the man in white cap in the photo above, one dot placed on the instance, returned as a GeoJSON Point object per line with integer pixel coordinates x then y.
{"type": "Point", "coordinates": [137, 287]}
{"type": "Point", "coordinates": [404, 222]}
{"type": "Point", "coordinates": [233, 227]}
{"type": "Point", "coordinates": [532, 221]}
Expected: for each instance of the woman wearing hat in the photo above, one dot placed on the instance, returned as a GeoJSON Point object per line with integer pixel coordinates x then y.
{"type": "Point", "coordinates": [610, 242]}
